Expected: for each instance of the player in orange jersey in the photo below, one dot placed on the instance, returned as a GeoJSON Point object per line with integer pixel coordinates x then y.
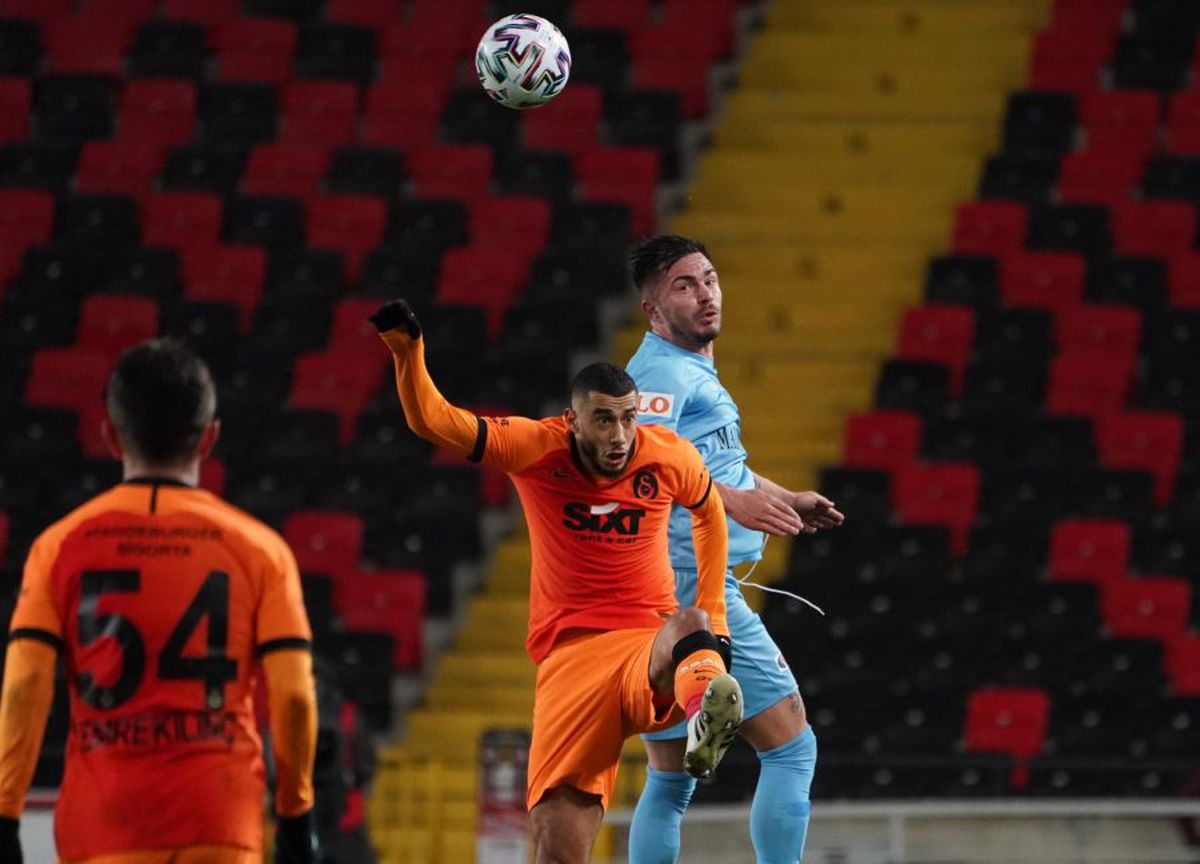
{"type": "Point", "coordinates": [161, 597]}
{"type": "Point", "coordinates": [615, 654]}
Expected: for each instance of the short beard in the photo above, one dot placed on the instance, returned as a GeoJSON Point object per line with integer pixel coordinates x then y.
{"type": "Point", "coordinates": [597, 465]}
{"type": "Point", "coordinates": [694, 339]}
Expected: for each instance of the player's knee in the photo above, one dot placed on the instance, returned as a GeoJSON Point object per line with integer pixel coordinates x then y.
{"type": "Point", "coordinates": [690, 619]}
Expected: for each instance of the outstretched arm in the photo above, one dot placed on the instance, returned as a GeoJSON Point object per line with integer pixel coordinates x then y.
{"type": "Point", "coordinates": [425, 408]}
{"type": "Point", "coordinates": [24, 707]}
{"type": "Point", "coordinates": [817, 511]}
{"type": "Point", "coordinates": [710, 534]}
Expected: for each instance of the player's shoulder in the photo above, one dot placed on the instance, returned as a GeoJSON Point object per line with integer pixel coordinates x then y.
{"type": "Point", "coordinates": [665, 440]}
{"type": "Point", "coordinates": [94, 508]}
{"type": "Point", "coordinates": [236, 524]}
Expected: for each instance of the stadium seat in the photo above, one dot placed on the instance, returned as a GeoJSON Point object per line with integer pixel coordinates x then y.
{"type": "Point", "coordinates": [1082, 228]}
{"type": "Point", "coordinates": [1145, 441]}
{"type": "Point", "coordinates": [622, 15]}
{"type": "Point", "coordinates": [1011, 721]}
{"type": "Point", "coordinates": [365, 171]}
{"type": "Point", "coordinates": [1130, 108]}
{"type": "Point", "coordinates": [1183, 123]}
{"type": "Point", "coordinates": [97, 221]}
{"type": "Point", "coordinates": [238, 114]}
{"type": "Point", "coordinates": [70, 378]}
{"type": "Point", "coordinates": [1089, 550]}
{"type": "Point", "coordinates": [1099, 176]}
{"type": "Point", "coordinates": [210, 328]}
{"type": "Point", "coordinates": [1087, 383]}
{"type": "Point", "coordinates": [520, 225]}
{"type": "Point", "coordinates": [622, 175]}
{"type": "Point", "coordinates": [16, 99]}
{"type": "Point", "coordinates": [966, 280]}
{"type": "Point", "coordinates": [318, 113]}
{"type": "Point", "coordinates": [272, 222]}
{"type": "Point", "coordinates": [182, 220]}
{"type": "Point", "coordinates": [351, 224]}
{"type": "Point", "coordinates": [909, 385]}
{"type": "Point", "coordinates": [335, 51]}
{"type": "Point", "coordinates": [1148, 608]}
{"type": "Point", "coordinates": [1157, 228]}
{"type": "Point", "coordinates": [1152, 62]}
{"type": "Point", "coordinates": [1109, 329]}
{"type": "Point", "coordinates": [938, 334]}
{"type": "Point", "coordinates": [488, 278]}
{"type": "Point", "coordinates": [285, 170]}
{"type": "Point", "coordinates": [20, 41]}
{"type": "Point", "coordinates": [110, 323]}
{"type": "Point", "coordinates": [1139, 282]}
{"type": "Point", "coordinates": [212, 476]}
{"type": "Point", "coordinates": [255, 49]}
{"type": "Point", "coordinates": [390, 602]}
{"type": "Point", "coordinates": [26, 218]}
{"type": "Point", "coordinates": [451, 171]}
{"type": "Point", "coordinates": [350, 328]}
{"type": "Point", "coordinates": [211, 13]}
{"type": "Point", "coordinates": [881, 439]}
{"type": "Point", "coordinates": [1039, 122]}
{"type": "Point", "coordinates": [375, 14]}
{"type": "Point", "coordinates": [1029, 178]}
{"type": "Point", "coordinates": [989, 228]}
{"type": "Point", "coordinates": [326, 541]}
{"type": "Point", "coordinates": [226, 274]}
{"type": "Point", "coordinates": [471, 118]}
{"type": "Point", "coordinates": [1042, 280]}
{"type": "Point", "coordinates": [945, 494]}
{"type": "Point", "coordinates": [399, 115]}
{"type": "Point", "coordinates": [168, 49]}
{"type": "Point", "coordinates": [340, 382]}
{"type": "Point", "coordinates": [122, 167]}
{"type": "Point", "coordinates": [87, 45]}
{"type": "Point", "coordinates": [202, 169]}
{"type": "Point", "coordinates": [73, 108]}
{"type": "Point", "coordinates": [1183, 665]}
{"type": "Point", "coordinates": [570, 122]}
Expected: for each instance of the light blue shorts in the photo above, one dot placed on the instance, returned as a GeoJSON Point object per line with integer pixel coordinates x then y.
{"type": "Point", "coordinates": [758, 664]}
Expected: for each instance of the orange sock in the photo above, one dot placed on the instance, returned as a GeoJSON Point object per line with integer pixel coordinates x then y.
{"type": "Point", "coordinates": [692, 676]}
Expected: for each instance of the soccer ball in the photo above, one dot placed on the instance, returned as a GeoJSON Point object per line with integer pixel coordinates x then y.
{"type": "Point", "coordinates": [523, 61]}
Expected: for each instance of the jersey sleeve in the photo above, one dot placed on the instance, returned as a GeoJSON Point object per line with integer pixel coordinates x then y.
{"type": "Point", "coordinates": [281, 622]}
{"type": "Point", "coordinates": [37, 615]}
{"type": "Point", "coordinates": [663, 389]}
{"type": "Point", "coordinates": [511, 444]}
{"type": "Point", "coordinates": [710, 531]}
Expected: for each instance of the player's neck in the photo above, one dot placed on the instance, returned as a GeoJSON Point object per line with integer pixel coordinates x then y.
{"type": "Point", "coordinates": [704, 350]}
{"type": "Point", "coordinates": [136, 469]}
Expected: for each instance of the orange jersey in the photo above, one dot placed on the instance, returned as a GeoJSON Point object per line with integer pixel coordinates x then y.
{"type": "Point", "coordinates": [600, 558]}
{"type": "Point", "coordinates": [160, 597]}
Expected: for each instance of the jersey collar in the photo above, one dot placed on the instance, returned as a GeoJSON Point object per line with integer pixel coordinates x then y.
{"type": "Point", "coordinates": [583, 469]}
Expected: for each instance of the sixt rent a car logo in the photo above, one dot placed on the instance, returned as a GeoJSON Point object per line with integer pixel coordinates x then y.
{"type": "Point", "coordinates": [609, 518]}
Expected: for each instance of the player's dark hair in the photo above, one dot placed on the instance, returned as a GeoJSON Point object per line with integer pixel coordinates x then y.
{"type": "Point", "coordinates": [602, 378]}
{"type": "Point", "coordinates": [160, 398]}
{"type": "Point", "coordinates": [655, 255]}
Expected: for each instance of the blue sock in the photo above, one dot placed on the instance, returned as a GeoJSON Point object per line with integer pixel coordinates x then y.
{"type": "Point", "coordinates": [779, 814]}
{"type": "Point", "coordinates": [654, 832]}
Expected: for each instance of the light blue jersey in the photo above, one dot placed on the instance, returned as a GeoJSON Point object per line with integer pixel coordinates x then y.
{"type": "Point", "coordinates": [680, 389]}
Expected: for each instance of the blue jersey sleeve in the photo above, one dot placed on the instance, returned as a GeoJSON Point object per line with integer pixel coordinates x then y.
{"type": "Point", "coordinates": [663, 388]}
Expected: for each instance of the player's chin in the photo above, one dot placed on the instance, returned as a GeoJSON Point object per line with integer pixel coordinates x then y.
{"type": "Point", "coordinates": [609, 468]}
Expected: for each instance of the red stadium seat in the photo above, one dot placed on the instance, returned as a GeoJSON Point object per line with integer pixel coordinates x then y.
{"type": "Point", "coordinates": [938, 493]}
{"type": "Point", "coordinates": [1183, 665]}
{"type": "Point", "coordinates": [622, 175]}
{"type": "Point", "coordinates": [1086, 47]}
{"type": "Point", "coordinates": [681, 45]}
{"type": "Point", "coordinates": [133, 11]}
{"type": "Point", "coordinates": [16, 99]}
{"type": "Point", "coordinates": [519, 224]}
{"type": "Point", "coordinates": [623, 15]}
{"type": "Point", "coordinates": [1145, 441]}
{"type": "Point", "coordinates": [939, 334]}
{"type": "Point", "coordinates": [211, 13]}
{"type": "Point", "coordinates": [571, 122]}
{"type": "Point", "coordinates": [123, 167]}
{"type": "Point", "coordinates": [245, 68]}
{"type": "Point", "coordinates": [389, 601]}
{"type": "Point", "coordinates": [182, 220]}
{"type": "Point", "coordinates": [1153, 228]}
{"type": "Point", "coordinates": [1042, 280]}
{"type": "Point", "coordinates": [226, 274]}
{"type": "Point", "coordinates": [71, 378]}
{"type": "Point", "coordinates": [687, 78]}
{"type": "Point", "coordinates": [1089, 550]}
{"type": "Point", "coordinates": [1129, 108]}
{"type": "Point", "coordinates": [1007, 720]}
{"type": "Point", "coordinates": [990, 227]}
{"type": "Point", "coordinates": [351, 224]}
{"type": "Point", "coordinates": [1148, 608]}
{"type": "Point", "coordinates": [488, 278]}
{"type": "Point", "coordinates": [350, 328]}
{"type": "Point", "coordinates": [256, 49]}
{"type": "Point", "coordinates": [495, 490]}
{"type": "Point", "coordinates": [400, 130]}
{"type": "Point", "coordinates": [288, 170]}
{"type": "Point", "coordinates": [340, 382]}
{"type": "Point", "coordinates": [1183, 123]}
{"type": "Point", "coordinates": [1183, 280]}
{"type": "Point", "coordinates": [37, 10]}
{"type": "Point", "coordinates": [1110, 328]}
{"type": "Point", "coordinates": [110, 323]}
{"type": "Point", "coordinates": [26, 218]}
{"type": "Point", "coordinates": [1063, 76]}
{"type": "Point", "coordinates": [1104, 177]}
{"type": "Point", "coordinates": [212, 476]}
{"type": "Point", "coordinates": [1087, 383]}
{"type": "Point", "coordinates": [881, 439]}
{"type": "Point", "coordinates": [320, 113]}
{"type": "Point", "coordinates": [710, 22]}
{"type": "Point", "coordinates": [435, 40]}
{"type": "Point", "coordinates": [87, 45]}
{"type": "Point", "coordinates": [325, 541]}
{"type": "Point", "coordinates": [158, 112]}
{"type": "Point", "coordinates": [451, 171]}
{"type": "Point", "coordinates": [375, 14]}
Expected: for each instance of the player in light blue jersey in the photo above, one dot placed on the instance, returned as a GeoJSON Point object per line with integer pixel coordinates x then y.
{"type": "Point", "coordinates": [679, 387]}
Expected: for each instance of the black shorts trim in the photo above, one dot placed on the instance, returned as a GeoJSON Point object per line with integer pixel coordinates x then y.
{"type": "Point", "coordinates": [37, 635]}
{"type": "Point", "coordinates": [294, 643]}
{"type": "Point", "coordinates": [704, 497]}
{"type": "Point", "coordinates": [480, 441]}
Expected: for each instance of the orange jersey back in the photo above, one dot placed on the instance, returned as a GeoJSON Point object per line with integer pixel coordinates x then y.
{"type": "Point", "coordinates": [161, 597]}
{"type": "Point", "coordinates": [599, 545]}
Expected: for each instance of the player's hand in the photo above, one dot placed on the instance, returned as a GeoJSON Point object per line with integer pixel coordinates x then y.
{"type": "Point", "coordinates": [394, 314]}
{"type": "Point", "coordinates": [817, 511]}
{"type": "Point", "coordinates": [296, 840]}
{"type": "Point", "coordinates": [759, 511]}
{"type": "Point", "coordinates": [10, 841]}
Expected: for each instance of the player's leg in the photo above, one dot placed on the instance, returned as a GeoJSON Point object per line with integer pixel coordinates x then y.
{"type": "Point", "coordinates": [178, 855]}
{"type": "Point", "coordinates": [565, 823]}
{"type": "Point", "coordinates": [685, 661]}
{"type": "Point", "coordinates": [654, 831]}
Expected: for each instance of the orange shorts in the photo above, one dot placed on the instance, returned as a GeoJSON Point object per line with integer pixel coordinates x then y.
{"type": "Point", "coordinates": [593, 691]}
{"type": "Point", "coordinates": [178, 855]}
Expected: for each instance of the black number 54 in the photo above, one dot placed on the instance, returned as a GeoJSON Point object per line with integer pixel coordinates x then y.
{"type": "Point", "coordinates": [214, 669]}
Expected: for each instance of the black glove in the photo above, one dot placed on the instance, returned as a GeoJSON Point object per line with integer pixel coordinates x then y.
{"type": "Point", "coordinates": [725, 649]}
{"type": "Point", "coordinates": [393, 314]}
{"type": "Point", "coordinates": [10, 841]}
{"type": "Point", "coordinates": [296, 840]}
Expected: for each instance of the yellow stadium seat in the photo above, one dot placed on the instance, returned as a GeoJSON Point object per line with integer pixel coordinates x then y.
{"type": "Point", "coordinates": [464, 669]}
{"type": "Point", "coordinates": [910, 18]}
{"type": "Point", "coordinates": [487, 697]}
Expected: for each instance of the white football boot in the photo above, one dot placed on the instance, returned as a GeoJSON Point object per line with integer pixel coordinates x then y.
{"type": "Point", "coordinates": [712, 729]}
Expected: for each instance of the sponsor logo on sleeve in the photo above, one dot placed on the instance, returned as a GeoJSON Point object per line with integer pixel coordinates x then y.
{"type": "Point", "coordinates": [656, 404]}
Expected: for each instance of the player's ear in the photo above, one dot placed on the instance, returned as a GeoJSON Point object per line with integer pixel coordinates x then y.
{"type": "Point", "coordinates": [572, 419]}
{"type": "Point", "coordinates": [208, 439]}
{"type": "Point", "coordinates": [650, 310]}
{"type": "Point", "coordinates": [112, 443]}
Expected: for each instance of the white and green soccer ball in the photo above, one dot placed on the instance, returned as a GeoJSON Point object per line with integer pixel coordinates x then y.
{"type": "Point", "coordinates": [523, 61]}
